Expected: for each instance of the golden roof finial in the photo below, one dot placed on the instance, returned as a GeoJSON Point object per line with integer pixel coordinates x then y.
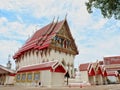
{"type": "Point", "coordinates": [66, 16]}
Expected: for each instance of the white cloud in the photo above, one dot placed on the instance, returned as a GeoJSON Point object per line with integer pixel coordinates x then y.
{"type": "Point", "coordinates": [84, 27]}
{"type": "Point", "coordinates": [15, 30]}
{"type": "Point", "coordinates": [99, 24]}
{"type": "Point", "coordinates": [7, 47]}
{"type": "Point", "coordinates": [11, 34]}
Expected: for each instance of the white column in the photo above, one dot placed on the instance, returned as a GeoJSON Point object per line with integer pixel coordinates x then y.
{"type": "Point", "coordinates": [25, 58]}
{"type": "Point", "coordinates": [28, 55]}
{"type": "Point", "coordinates": [39, 56]}
{"type": "Point", "coordinates": [30, 58]}
{"type": "Point", "coordinates": [35, 57]}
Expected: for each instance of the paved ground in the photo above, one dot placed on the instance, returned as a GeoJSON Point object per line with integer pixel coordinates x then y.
{"type": "Point", "coordinates": [101, 87]}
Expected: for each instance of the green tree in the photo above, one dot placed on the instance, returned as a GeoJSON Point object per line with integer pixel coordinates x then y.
{"type": "Point", "coordinates": [108, 8]}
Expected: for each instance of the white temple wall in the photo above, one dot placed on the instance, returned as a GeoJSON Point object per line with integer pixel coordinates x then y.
{"type": "Point", "coordinates": [57, 79]}
{"type": "Point", "coordinates": [84, 76]}
{"type": "Point", "coordinates": [46, 78]}
{"type": "Point", "coordinates": [32, 57]}
{"type": "Point", "coordinates": [56, 55]}
{"type": "Point", "coordinates": [9, 80]}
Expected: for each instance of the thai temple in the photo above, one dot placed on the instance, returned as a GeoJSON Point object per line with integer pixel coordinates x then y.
{"type": "Point", "coordinates": [46, 56]}
{"type": "Point", "coordinates": [101, 72]}
{"type": "Point", "coordinates": [7, 75]}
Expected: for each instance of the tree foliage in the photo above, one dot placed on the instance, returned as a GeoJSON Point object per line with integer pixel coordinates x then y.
{"type": "Point", "coordinates": [108, 8]}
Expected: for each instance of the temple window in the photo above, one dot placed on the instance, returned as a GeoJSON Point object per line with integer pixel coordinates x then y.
{"type": "Point", "coordinates": [64, 43]}
{"type": "Point", "coordinates": [29, 76]}
{"type": "Point", "coordinates": [36, 76]}
{"type": "Point", "coordinates": [23, 77]}
{"type": "Point", "coordinates": [68, 43]}
{"type": "Point", "coordinates": [61, 43]}
{"type": "Point", "coordinates": [55, 38]}
{"type": "Point", "coordinates": [18, 77]}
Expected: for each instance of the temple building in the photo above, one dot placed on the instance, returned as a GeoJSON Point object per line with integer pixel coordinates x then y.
{"type": "Point", "coordinates": [112, 66]}
{"type": "Point", "coordinates": [45, 58]}
{"type": "Point", "coordinates": [7, 75]}
{"type": "Point", "coordinates": [87, 73]}
{"type": "Point", "coordinates": [101, 72]}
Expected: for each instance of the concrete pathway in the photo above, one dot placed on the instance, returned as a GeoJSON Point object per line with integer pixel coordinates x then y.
{"type": "Point", "coordinates": [100, 87]}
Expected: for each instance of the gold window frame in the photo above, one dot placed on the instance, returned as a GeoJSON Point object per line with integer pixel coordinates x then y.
{"type": "Point", "coordinates": [23, 80]}
{"type": "Point", "coordinates": [29, 80]}
{"type": "Point", "coordinates": [34, 76]}
{"type": "Point", "coordinates": [17, 77]}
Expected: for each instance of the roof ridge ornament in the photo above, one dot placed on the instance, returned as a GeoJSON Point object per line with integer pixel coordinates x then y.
{"type": "Point", "coordinates": [66, 16]}
{"type": "Point", "coordinates": [57, 19]}
{"type": "Point", "coordinates": [53, 19]}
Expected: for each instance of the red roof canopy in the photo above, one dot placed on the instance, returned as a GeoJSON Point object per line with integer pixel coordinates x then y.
{"type": "Point", "coordinates": [53, 66]}
{"type": "Point", "coordinates": [113, 69]}
{"type": "Point", "coordinates": [84, 67]}
{"type": "Point", "coordinates": [4, 70]}
{"type": "Point", "coordinates": [112, 73]}
{"type": "Point", "coordinates": [41, 39]}
{"type": "Point", "coordinates": [112, 60]}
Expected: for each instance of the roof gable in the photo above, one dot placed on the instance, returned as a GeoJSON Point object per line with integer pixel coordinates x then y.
{"type": "Point", "coordinates": [99, 70]}
{"type": "Point", "coordinates": [5, 70]}
{"type": "Point", "coordinates": [112, 60]}
{"type": "Point", "coordinates": [64, 41]}
{"type": "Point", "coordinates": [53, 66]}
{"type": "Point", "coordinates": [91, 72]}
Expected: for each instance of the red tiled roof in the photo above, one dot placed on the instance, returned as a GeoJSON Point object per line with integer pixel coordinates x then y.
{"type": "Point", "coordinates": [6, 70]}
{"type": "Point", "coordinates": [41, 39]}
{"type": "Point", "coordinates": [84, 67]}
{"type": "Point", "coordinates": [113, 69]}
{"type": "Point", "coordinates": [112, 73]}
{"type": "Point", "coordinates": [112, 60]}
{"type": "Point", "coordinates": [52, 66]}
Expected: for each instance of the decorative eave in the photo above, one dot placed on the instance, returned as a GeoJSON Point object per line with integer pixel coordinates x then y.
{"type": "Point", "coordinates": [53, 66]}
{"type": "Point", "coordinates": [7, 70]}
{"type": "Point", "coordinates": [112, 73]}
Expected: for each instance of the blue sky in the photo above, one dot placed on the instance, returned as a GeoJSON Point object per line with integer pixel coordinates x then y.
{"type": "Point", "coordinates": [95, 36]}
